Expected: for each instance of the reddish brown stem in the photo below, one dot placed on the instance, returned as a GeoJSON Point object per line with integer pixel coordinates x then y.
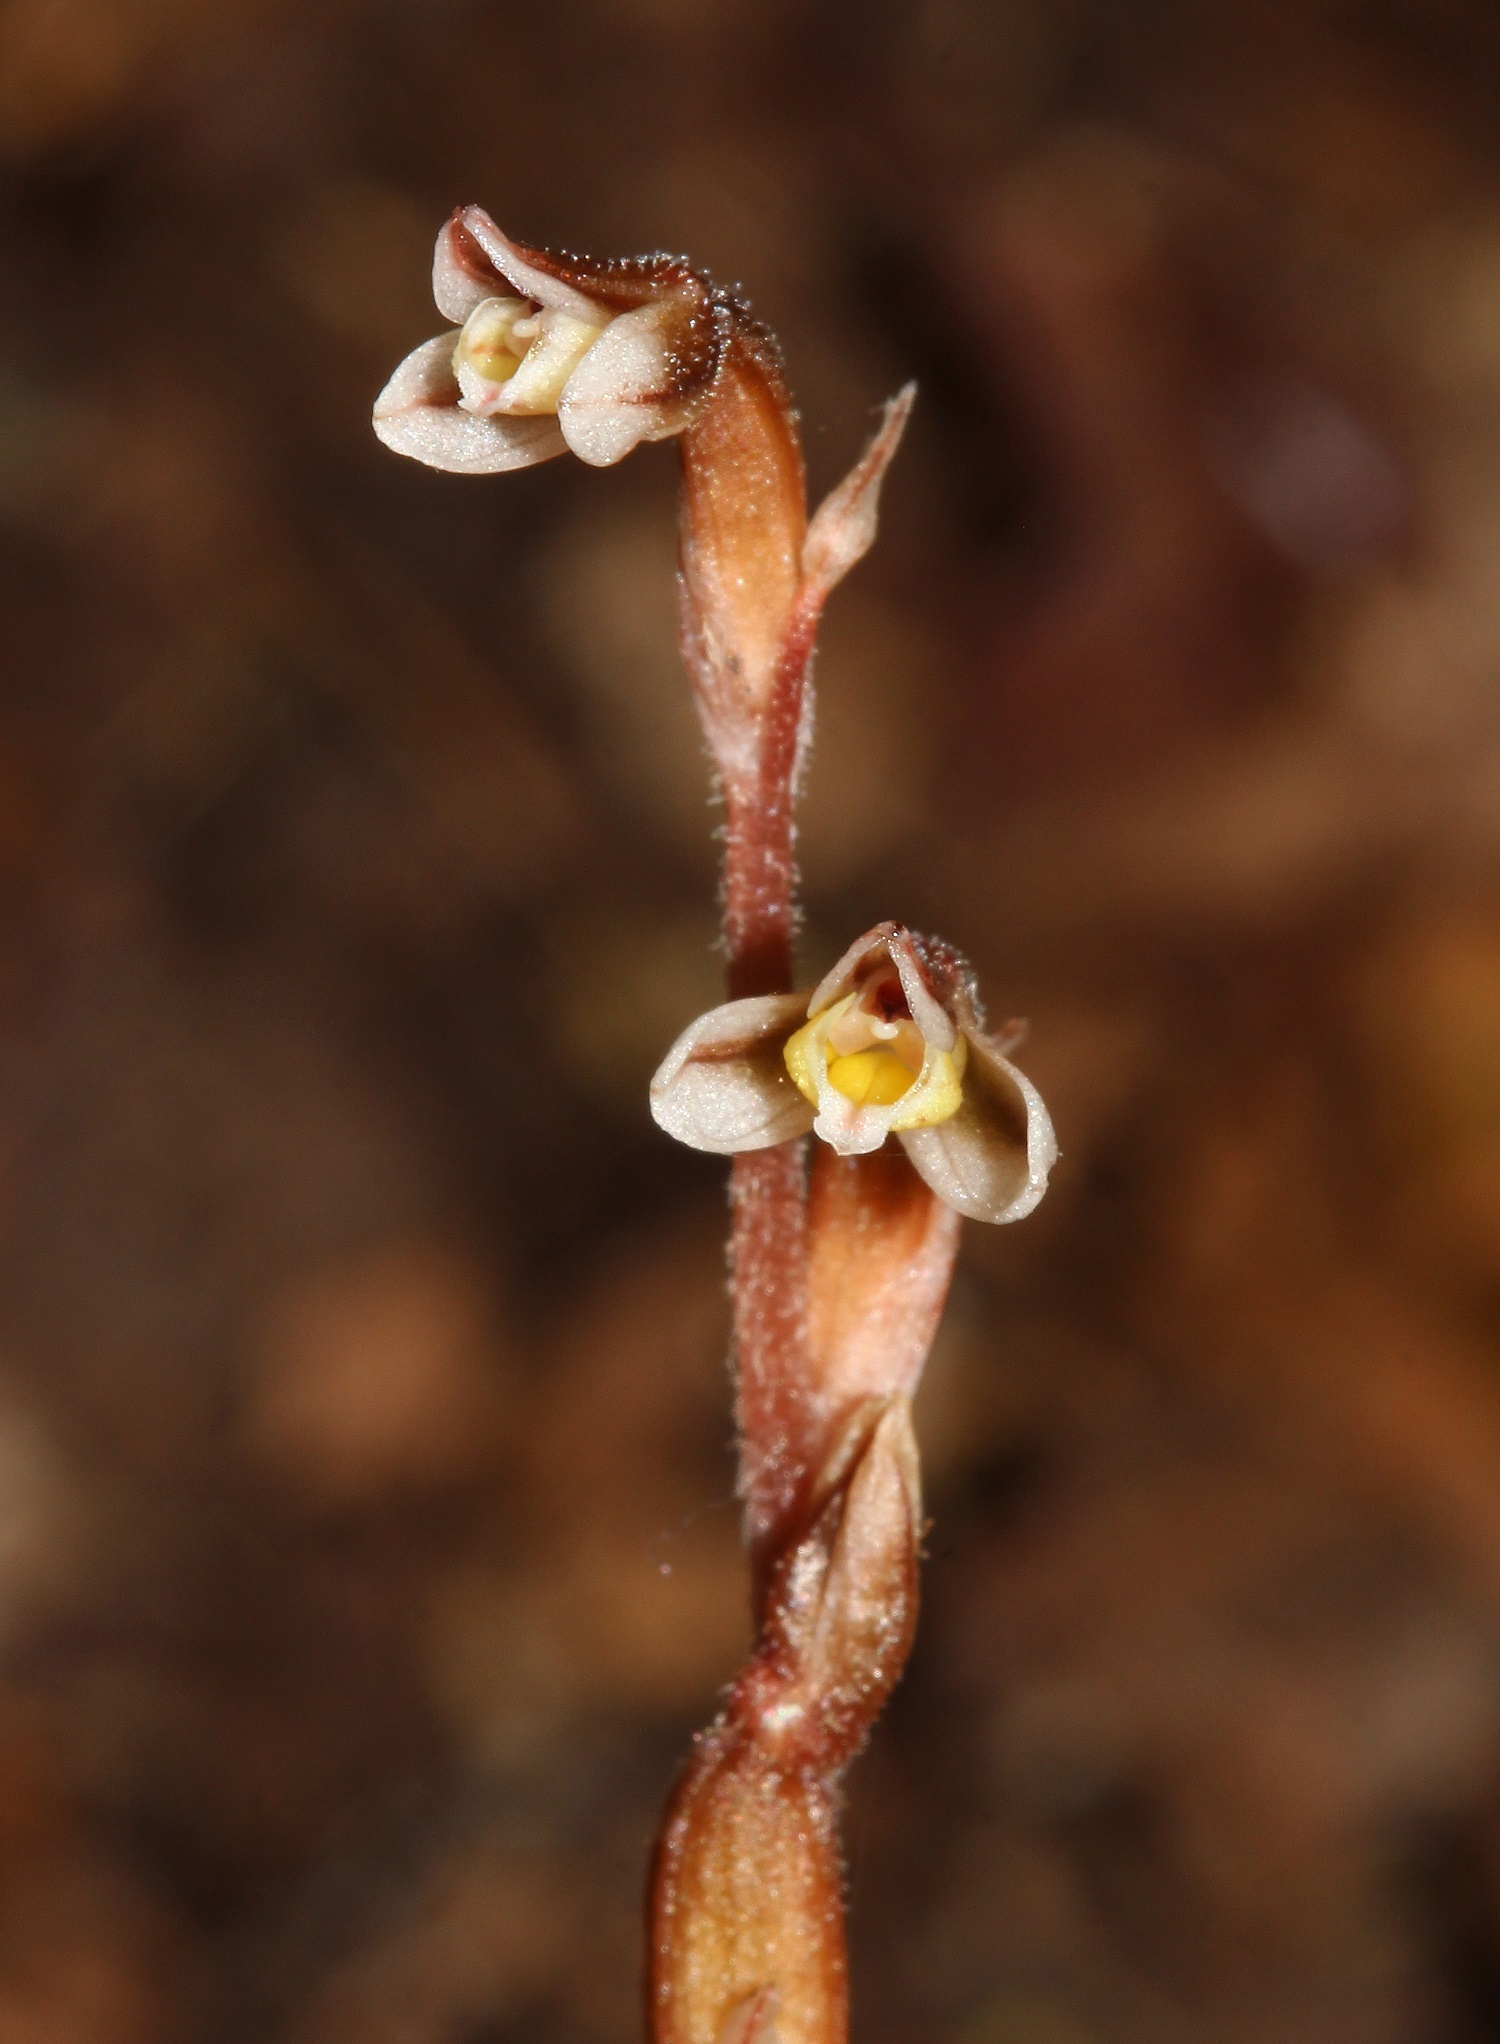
{"type": "Point", "coordinates": [758, 881]}
{"type": "Point", "coordinates": [746, 1892]}
{"type": "Point", "coordinates": [746, 1908]}
{"type": "Point", "coordinates": [768, 1263]}
{"type": "Point", "coordinates": [768, 1238]}
{"type": "Point", "coordinates": [760, 871]}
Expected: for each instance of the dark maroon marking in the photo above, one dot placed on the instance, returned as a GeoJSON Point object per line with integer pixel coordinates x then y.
{"type": "Point", "coordinates": [886, 998]}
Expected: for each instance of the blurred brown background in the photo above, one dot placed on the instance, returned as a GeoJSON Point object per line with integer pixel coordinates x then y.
{"type": "Point", "coordinates": [367, 1552]}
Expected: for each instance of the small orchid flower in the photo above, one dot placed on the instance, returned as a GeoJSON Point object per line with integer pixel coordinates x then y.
{"type": "Point", "coordinates": [552, 352]}
{"type": "Point", "coordinates": [891, 1043]}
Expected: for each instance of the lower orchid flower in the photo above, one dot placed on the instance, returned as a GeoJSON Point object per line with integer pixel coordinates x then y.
{"type": "Point", "coordinates": [891, 1043]}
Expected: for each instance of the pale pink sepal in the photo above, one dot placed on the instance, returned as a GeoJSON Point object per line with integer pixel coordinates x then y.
{"type": "Point", "coordinates": [992, 1158]}
{"type": "Point", "coordinates": [927, 1011]}
{"type": "Point", "coordinates": [418, 414]}
{"type": "Point", "coordinates": [724, 1086]}
{"type": "Point", "coordinates": [617, 396]}
{"type": "Point", "coordinates": [462, 276]}
{"type": "Point", "coordinates": [850, 1130]}
{"type": "Point", "coordinates": [842, 529]}
{"type": "Point", "coordinates": [529, 278]}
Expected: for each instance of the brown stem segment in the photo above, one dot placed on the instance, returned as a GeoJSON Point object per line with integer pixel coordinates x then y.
{"type": "Point", "coordinates": [768, 1240]}
{"type": "Point", "coordinates": [768, 1267]}
{"type": "Point", "coordinates": [747, 1888]}
{"type": "Point", "coordinates": [760, 870]}
{"type": "Point", "coordinates": [748, 648]}
{"type": "Point", "coordinates": [747, 637]}
{"type": "Point", "coordinates": [831, 1320]}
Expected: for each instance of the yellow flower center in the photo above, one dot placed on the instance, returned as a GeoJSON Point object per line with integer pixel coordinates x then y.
{"type": "Point", "coordinates": [496, 337]}
{"type": "Point", "coordinates": [870, 1078]}
{"type": "Point", "coordinates": [512, 357]}
{"type": "Point", "coordinates": [875, 1056]}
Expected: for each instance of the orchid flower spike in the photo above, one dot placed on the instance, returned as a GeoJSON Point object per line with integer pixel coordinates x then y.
{"type": "Point", "coordinates": [891, 1043]}
{"type": "Point", "coordinates": [552, 352]}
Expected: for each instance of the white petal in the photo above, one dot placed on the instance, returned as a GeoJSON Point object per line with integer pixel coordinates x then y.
{"type": "Point", "coordinates": [863, 955]}
{"type": "Point", "coordinates": [991, 1160]}
{"type": "Point", "coordinates": [723, 1086]}
{"type": "Point", "coordinates": [851, 1131]}
{"type": "Point", "coordinates": [455, 285]}
{"type": "Point", "coordinates": [531, 282]}
{"type": "Point", "coordinates": [617, 396]}
{"type": "Point", "coordinates": [417, 414]}
{"type": "Point", "coordinates": [929, 1014]}
{"type": "Point", "coordinates": [553, 357]}
{"type": "Point", "coordinates": [842, 978]}
{"type": "Point", "coordinates": [426, 377]}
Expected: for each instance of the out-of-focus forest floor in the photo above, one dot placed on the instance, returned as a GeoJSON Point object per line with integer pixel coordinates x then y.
{"type": "Point", "coordinates": [367, 1552]}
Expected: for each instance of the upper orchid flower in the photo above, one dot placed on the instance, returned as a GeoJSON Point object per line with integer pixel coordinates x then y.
{"type": "Point", "coordinates": [892, 1042]}
{"type": "Point", "coordinates": [552, 352]}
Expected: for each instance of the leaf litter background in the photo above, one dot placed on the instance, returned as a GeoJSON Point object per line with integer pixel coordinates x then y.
{"type": "Point", "coordinates": [367, 1552]}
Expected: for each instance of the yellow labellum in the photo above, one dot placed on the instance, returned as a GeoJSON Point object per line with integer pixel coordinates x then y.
{"type": "Point", "coordinates": [879, 1078]}
{"type": "Point", "coordinates": [940, 1094]}
{"type": "Point", "coordinates": [870, 1078]}
{"type": "Point", "coordinates": [794, 1053]}
{"type": "Point", "coordinates": [489, 342]}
